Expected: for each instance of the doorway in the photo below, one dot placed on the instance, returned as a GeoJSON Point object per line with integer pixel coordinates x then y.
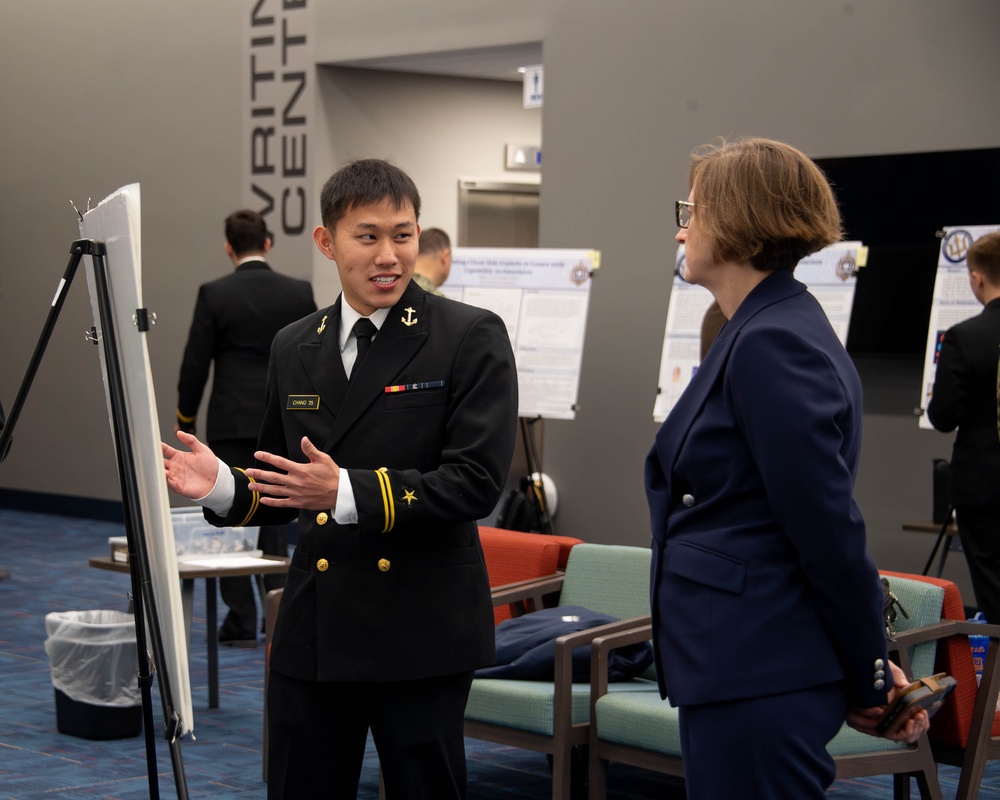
{"type": "Point", "coordinates": [494, 214]}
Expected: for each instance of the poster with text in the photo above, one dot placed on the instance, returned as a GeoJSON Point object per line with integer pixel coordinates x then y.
{"type": "Point", "coordinates": [542, 295]}
{"type": "Point", "coordinates": [953, 300]}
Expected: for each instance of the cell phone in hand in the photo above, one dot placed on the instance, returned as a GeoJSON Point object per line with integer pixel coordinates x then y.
{"type": "Point", "coordinates": [927, 693]}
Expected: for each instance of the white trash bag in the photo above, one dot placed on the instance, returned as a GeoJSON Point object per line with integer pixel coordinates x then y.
{"type": "Point", "coordinates": [93, 656]}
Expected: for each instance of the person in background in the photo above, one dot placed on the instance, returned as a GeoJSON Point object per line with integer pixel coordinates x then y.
{"type": "Point", "coordinates": [433, 260]}
{"type": "Point", "coordinates": [389, 431]}
{"type": "Point", "coordinates": [965, 396]}
{"type": "Point", "coordinates": [235, 320]}
{"type": "Point", "coordinates": [767, 608]}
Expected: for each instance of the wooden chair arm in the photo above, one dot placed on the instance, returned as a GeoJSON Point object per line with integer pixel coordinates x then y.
{"type": "Point", "coordinates": [936, 631]}
{"type": "Point", "coordinates": [531, 591]}
{"type": "Point", "coordinates": [565, 645]}
{"type": "Point", "coordinates": [601, 648]}
{"type": "Point", "coordinates": [900, 643]}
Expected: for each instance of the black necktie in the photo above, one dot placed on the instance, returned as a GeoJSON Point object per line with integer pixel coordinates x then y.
{"type": "Point", "coordinates": [363, 331]}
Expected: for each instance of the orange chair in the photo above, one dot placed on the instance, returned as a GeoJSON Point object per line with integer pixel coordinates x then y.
{"type": "Point", "coordinates": [514, 556]}
{"type": "Point", "coordinates": [966, 731]}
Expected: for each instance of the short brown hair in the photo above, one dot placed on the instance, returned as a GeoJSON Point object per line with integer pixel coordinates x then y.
{"type": "Point", "coordinates": [984, 256]}
{"type": "Point", "coordinates": [763, 201]}
{"type": "Point", "coordinates": [433, 241]}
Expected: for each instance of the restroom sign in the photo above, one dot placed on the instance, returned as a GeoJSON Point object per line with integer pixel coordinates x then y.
{"type": "Point", "coordinates": [533, 86]}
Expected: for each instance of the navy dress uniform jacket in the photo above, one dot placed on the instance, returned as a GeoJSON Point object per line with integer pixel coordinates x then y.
{"type": "Point", "coordinates": [403, 594]}
{"type": "Point", "coordinates": [761, 583]}
{"type": "Point", "coordinates": [235, 320]}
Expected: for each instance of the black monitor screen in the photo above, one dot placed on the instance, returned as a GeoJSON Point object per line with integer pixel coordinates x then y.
{"type": "Point", "coordinates": [895, 204]}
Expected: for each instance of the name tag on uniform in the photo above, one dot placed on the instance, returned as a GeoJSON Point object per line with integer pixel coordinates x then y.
{"type": "Point", "coordinates": [302, 402]}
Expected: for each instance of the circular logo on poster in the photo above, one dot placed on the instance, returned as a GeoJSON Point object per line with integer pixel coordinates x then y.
{"type": "Point", "coordinates": [580, 274]}
{"type": "Point", "coordinates": [956, 245]}
{"type": "Point", "coordinates": [846, 266]}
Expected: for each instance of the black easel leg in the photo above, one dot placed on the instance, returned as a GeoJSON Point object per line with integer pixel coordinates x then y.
{"type": "Point", "coordinates": [138, 556]}
{"type": "Point", "coordinates": [940, 538]}
{"type": "Point", "coordinates": [535, 466]}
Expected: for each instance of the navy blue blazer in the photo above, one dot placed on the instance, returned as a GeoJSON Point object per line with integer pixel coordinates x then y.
{"type": "Point", "coordinates": [761, 581]}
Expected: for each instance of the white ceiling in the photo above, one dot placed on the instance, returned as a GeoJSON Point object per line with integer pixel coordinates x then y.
{"type": "Point", "coordinates": [492, 63]}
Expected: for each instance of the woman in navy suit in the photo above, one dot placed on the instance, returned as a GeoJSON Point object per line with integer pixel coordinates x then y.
{"type": "Point", "coordinates": [767, 607]}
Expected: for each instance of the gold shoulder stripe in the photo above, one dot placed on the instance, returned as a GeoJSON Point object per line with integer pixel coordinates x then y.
{"type": "Point", "coordinates": [254, 502]}
{"type": "Point", "coordinates": [387, 501]}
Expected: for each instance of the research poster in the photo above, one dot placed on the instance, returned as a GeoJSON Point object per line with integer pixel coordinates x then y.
{"type": "Point", "coordinates": [830, 274]}
{"type": "Point", "coordinates": [115, 222]}
{"type": "Point", "coordinates": [542, 295]}
{"type": "Point", "coordinates": [953, 300]}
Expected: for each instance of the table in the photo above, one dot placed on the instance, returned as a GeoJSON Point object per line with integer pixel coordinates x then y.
{"type": "Point", "coordinates": [267, 565]}
{"type": "Point", "coordinates": [926, 526]}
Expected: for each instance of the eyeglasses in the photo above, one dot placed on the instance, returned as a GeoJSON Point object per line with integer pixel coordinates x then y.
{"type": "Point", "coordinates": [682, 212]}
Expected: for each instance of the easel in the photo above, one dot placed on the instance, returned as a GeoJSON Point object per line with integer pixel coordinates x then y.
{"type": "Point", "coordinates": [143, 600]}
{"type": "Point", "coordinates": [942, 534]}
{"type": "Point", "coordinates": [537, 487]}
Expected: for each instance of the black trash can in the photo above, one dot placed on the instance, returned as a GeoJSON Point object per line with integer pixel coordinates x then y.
{"type": "Point", "coordinates": [95, 665]}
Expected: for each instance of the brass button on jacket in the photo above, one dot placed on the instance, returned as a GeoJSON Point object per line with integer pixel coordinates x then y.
{"type": "Point", "coordinates": [383, 564]}
{"type": "Point", "coordinates": [322, 518]}
{"type": "Point", "coordinates": [322, 565]}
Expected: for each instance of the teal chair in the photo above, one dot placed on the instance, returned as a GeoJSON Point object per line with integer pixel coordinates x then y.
{"type": "Point", "coordinates": [552, 717]}
{"type": "Point", "coordinates": [642, 730]}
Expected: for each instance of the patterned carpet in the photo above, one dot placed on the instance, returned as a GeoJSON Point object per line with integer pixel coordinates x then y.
{"type": "Point", "coordinates": [47, 557]}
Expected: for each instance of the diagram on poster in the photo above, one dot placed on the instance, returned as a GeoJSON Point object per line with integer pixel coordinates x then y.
{"type": "Point", "coordinates": [953, 300]}
{"type": "Point", "coordinates": [830, 274]}
{"type": "Point", "coordinates": [542, 295]}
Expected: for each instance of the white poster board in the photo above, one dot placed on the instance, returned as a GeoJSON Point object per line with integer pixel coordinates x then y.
{"type": "Point", "coordinates": [115, 222]}
{"type": "Point", "coordinates": [542, 295]}
{"type": "Point", "coordinates": [830, 274]}
{"type": "Point", "coordinates": [953, 300]}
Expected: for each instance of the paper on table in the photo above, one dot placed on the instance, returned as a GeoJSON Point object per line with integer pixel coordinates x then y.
{"type": "Point", "coordinates": [228, 561]}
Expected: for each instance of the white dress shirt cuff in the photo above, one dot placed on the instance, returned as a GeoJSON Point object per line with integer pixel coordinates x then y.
{"type": "Point", "coordinates": [346, 512]}
{"type": "Point", "coordinates": [220, 499]}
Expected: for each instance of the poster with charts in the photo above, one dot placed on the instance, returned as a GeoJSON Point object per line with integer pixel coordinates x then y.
{"type": "Point", "coordinates": [115, 222]}
{"type": "Point", "coordinates": [830, 274]}
{"type": "Point", "coordinates": [952, 302]}
{"type": "Point", "coordinates": [542, 295]}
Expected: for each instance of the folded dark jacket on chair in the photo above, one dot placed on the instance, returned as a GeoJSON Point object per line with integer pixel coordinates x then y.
{"type": "Point", "coordinates": [526, 647]}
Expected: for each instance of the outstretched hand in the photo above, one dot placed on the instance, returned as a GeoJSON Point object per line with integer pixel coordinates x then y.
{"type": "Point", "coordinates": [190, 474]}
{"type": "Point", "coordinates": [865, 719]}
{"type": "Point", "coordinates": [312, 486]}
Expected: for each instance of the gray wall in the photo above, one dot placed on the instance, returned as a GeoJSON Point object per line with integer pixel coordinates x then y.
{"type": "Point", "coordinates": [631, 87]}
{"type": "Point", "coordinates": [95, 96]}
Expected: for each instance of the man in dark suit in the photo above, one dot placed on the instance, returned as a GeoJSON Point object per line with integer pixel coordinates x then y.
{"type": "Point", "coordinates": [965, 395]}
{"type": "Point", "coordinates": [235, 320]}
{"type": "Point", "coordinates": [389, 444]}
